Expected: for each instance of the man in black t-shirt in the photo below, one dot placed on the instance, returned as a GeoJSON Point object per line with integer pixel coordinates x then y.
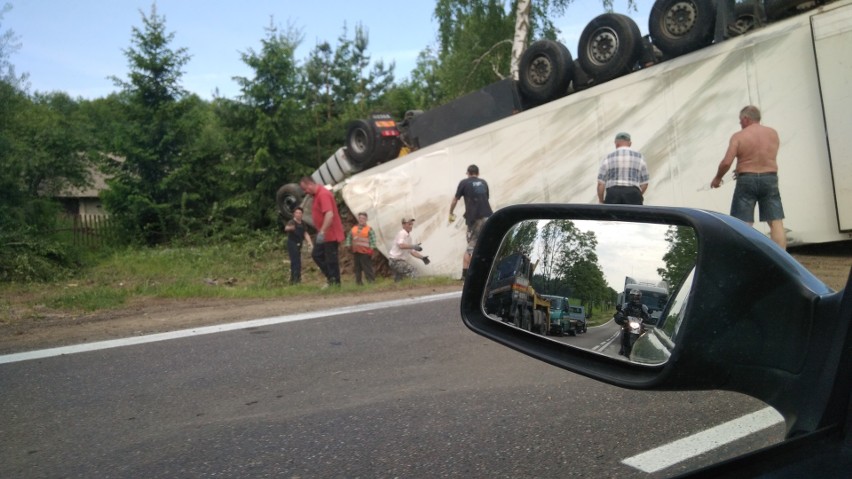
{"type": "Point", "coordinates": [476, 209]}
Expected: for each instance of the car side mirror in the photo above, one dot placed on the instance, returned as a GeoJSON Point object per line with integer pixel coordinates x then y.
{"type": "Point", "coordinates": [742, 316]}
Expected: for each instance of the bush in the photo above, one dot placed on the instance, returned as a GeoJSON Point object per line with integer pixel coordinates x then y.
{"type": "Point", "coordinates": [27, 257]}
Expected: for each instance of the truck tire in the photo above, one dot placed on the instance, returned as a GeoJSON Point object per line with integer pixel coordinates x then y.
{"type": "Point", "coordinates": [581, 80]}
{"type": "Point", "coordinates": [545, 71]}
{"type": "Point", "coordinates": [749, 15]}
{"type": "Point", "coordinates": [361, 144]}
{"type": "Point", "coordinates": [516, 317]}
{"type": "Point", "coordinates": [609, 46]}
{"type": "Point", "coordinates": [681, 26]}
{"type": "Point", "coordinates": [287, 198]}
{"type": "Point", "coordinates": [544, 326]}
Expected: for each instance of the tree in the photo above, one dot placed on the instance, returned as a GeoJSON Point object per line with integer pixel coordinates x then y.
{"type": "Point", "coordinates": [423, 87]}
{"type": "Point", "coordinates": [552, 239]}
{"type": "Point", "coordinates": [141, 197]}
{"type": "Point", "coordinates": [9, 44]}
{"type": "Point", "coordinates": [588, 283]}
{"type": "Point", "coordinates": [520, 239]}
{"type": "Point", "coordinates": [519, 41]}
{"type": "Point", "coordinates": [576, 266]}
{"type": "Point", "coordinates": [475, 44]}
{"type": "Point", "coordinates": [341, 85]}
{"type": "Point", "coordinates": [41, 153]}
{"type": "Point", "coordinates": [681, 254]}
{"type": "Point", "coordinates": [268, 129]}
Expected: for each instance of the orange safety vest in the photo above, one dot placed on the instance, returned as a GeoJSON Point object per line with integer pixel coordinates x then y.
{"type": "Point", "coordinates": [361, 240]}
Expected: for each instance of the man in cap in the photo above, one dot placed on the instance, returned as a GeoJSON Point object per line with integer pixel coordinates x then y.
{"type": "Point", "coordinates": [623, 175]}
{"type": "Point", "coordinates": [402, 249]}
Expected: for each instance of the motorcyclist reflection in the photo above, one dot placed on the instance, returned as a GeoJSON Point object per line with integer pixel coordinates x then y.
{"type": "Point", "coordinates": [631, 316]}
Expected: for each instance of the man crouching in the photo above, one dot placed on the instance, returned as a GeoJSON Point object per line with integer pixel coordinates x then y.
{"type": "Point", "coordinates": [402, 249]}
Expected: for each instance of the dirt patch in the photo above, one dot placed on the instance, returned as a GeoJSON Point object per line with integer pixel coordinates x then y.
{"type": "Point", "coordinates": [152, 315]}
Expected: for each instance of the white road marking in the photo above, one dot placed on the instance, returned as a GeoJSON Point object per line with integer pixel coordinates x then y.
{"type": "Point", "coordinates": [602, 346]}
{"type": "Point", "coordinates": [650, 461]}
{"type": "Point", "coordinates": [699, 443]}
{"type": "Point", "coordinates": [116, 343]}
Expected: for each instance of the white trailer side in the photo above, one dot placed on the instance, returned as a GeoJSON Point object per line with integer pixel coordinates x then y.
{"type": "Point", "coordinates": [680, 113]}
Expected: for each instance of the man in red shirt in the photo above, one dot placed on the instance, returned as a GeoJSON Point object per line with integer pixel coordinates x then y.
{"type": "Point", "coordinates": [329, 229]}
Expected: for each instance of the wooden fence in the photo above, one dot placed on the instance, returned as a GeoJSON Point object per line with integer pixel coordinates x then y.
{"type": "Point", "coordinates": [88, 230]}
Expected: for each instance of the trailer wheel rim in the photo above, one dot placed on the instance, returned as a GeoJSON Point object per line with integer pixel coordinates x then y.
{"type": "Point", "coordinates": [681, 18]}
{"type": "Point", "coordinates": [359, 141]}
{"type": "Point", "coordinates": [291, 201]}
{"type": "Point", "coordinates": [540, 71]}
{"type": "Point", "coordinates": [604, 46]}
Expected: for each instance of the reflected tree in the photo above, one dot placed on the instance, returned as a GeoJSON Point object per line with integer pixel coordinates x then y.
{"type": "Point", "coordinates": [681, 254]}
{"type": "Point", "coordinates": [521, 239]}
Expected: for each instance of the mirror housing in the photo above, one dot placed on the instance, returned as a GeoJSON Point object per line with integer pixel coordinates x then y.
{"type": "Point", "coordinates": [756, 322]}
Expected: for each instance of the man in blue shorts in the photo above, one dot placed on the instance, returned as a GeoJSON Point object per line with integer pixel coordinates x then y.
{"type": "Point", "coordinates": [755, 148]}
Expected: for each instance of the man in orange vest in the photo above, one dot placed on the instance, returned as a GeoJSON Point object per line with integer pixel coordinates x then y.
{"type": "Point", "coordinates": [361, 240]}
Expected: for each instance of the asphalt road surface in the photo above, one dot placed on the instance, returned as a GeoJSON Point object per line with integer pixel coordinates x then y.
{"type": "Point", "coordinates": [400, 391]}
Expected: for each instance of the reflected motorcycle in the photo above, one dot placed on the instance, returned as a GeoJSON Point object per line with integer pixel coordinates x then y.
{"type": "Point", "coordinates": [631, 330]}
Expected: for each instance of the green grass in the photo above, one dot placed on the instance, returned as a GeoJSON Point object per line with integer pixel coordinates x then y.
{"type": "Point", "coordinates": [257, 268]}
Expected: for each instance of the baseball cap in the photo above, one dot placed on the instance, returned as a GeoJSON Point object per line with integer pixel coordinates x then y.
{"type": "Point", "coordinates": [623, 136]}
{"type": "Point", "coordinates": [407, 219]}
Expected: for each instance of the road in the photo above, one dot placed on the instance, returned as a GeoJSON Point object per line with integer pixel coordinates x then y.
{"type": "Point", "coordinates": [400, 391]}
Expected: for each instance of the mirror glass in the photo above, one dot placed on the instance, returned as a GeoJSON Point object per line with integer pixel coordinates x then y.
{"type": "Point", "coordinates": [615, 288]}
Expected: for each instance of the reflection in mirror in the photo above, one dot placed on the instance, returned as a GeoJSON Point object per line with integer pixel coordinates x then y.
{"type": "Point", "coordinates": [616, 288]}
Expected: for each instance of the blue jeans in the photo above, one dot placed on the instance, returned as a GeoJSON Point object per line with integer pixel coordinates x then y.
{"type": "Point", "coordinates": [760, 189]}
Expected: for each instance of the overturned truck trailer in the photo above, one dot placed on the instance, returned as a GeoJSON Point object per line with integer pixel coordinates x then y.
{"type": "Point", "coordinates": [378, 139]}
{"type": "Point", "coordinates": [681, 114]}
{"type": "Point", "coordinates": [540, 138]}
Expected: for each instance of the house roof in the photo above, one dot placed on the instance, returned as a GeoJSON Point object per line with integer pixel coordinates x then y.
{"type": "Point", "coordinates": [98, 184]}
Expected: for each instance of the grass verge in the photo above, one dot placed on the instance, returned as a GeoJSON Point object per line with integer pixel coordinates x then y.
{"type": "Point", "coordinates": [255, 269]}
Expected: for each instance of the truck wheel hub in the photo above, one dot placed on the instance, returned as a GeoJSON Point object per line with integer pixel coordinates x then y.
{"type": "Point", "coordinates": [681, 18]}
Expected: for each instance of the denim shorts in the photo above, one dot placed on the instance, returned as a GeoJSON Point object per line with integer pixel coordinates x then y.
{"type": "Point", "coordinates": [759, 188]}
{"type": "Point", "coordinates": [473, 232]}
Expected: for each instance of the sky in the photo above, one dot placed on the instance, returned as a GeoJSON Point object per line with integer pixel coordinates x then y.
{"type": "Point", "coordinates": [76, 46]}
{"type": "Point", "coordinates": [626, 249]}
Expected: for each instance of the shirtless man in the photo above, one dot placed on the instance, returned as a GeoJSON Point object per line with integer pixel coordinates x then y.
{"type": "Point", "coordinates": [755, 148]}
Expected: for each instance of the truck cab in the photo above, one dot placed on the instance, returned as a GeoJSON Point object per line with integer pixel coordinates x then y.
{"type": "Point", "coordinates": [564, 318]}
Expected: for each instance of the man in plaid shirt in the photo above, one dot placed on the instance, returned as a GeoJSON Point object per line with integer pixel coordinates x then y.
{"type": "Point", "coordinates": [623, 176]}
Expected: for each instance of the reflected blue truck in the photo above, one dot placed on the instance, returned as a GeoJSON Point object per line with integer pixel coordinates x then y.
{"type": "Point", "coordinates": [564, 318]}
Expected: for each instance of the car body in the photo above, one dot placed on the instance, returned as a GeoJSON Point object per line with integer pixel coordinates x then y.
{"type": "Point", "coordinates": [578, 314]}
{"type": "Point", "coordinates": [747, 318]}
